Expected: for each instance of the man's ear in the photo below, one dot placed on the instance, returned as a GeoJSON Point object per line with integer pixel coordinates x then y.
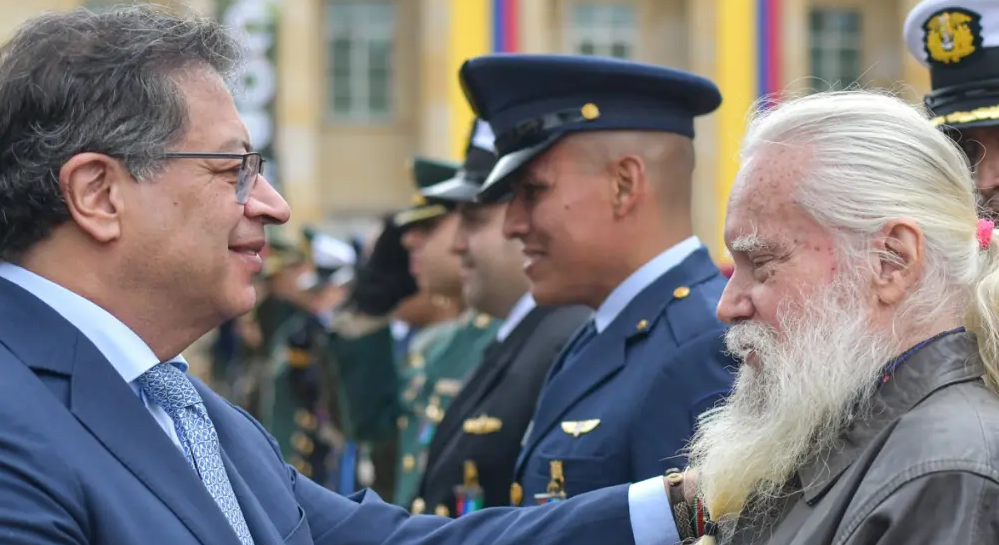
{"type": "Point", "coordinates": [900, 260]}
{"type": "Point", "coordinates": [92, 186]}
{"type": "Point", "coordinates": [629, 184]}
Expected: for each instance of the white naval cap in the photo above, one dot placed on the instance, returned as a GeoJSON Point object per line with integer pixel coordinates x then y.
{"type": "Point", "coordinates": [331, 253]}
{"type": "Point", "coordinates": [958, 40]}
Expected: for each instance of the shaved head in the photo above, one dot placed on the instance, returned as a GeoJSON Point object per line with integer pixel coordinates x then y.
{"type": "Point", "coordinates": [668, 159]}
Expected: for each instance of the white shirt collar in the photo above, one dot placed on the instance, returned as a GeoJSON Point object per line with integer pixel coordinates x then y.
{"type": "Point", "coordinates": [520, 309]}
{"type": "Point", "coordinates": [641, 279]}
{"type": "Point", "coordinates": [126, 352]}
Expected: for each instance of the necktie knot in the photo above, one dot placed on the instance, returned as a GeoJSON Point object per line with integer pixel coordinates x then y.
{"type": "Point", "coordinates": [169, 387]}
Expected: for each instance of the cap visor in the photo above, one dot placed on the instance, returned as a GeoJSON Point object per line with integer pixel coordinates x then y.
{"type": "Point", "coordinates": [413, 215]}
{"type": "Point", "coordinates": [971, 124]}
{"type": "Point", "coordinates": [497, 186]}
{"type": "Point", "coordinates": [457, 189]}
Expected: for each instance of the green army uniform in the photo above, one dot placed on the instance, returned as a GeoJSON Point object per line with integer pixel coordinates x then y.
{"type": "Point", "coordinates": [429, 383]}
{"type": "Point", "coordinates": [369, 381]}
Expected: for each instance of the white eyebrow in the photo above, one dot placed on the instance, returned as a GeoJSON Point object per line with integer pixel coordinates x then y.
{"type": "Point", "coordinates": [747, 243]}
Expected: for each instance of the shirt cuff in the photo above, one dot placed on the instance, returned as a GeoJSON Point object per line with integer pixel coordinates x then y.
{"type": "Point", "coordinates": [651, 519]}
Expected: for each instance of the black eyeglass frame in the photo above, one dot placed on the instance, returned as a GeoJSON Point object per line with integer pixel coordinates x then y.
{"type": "Point", "coordinates": [245, 179]}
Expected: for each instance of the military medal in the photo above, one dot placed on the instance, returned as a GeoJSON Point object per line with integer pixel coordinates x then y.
{"type": "Point", "coordinates": [469, 496]}
{"type": "Point", "coordinates": [556, 487]}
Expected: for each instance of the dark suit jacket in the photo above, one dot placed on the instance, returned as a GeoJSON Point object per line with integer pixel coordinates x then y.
{"type": "Point", "coordinates": [82, 462]}
{"type": "Point", "coordinates": [503, 390]}
{"type": "Point", "coordinates": [625, 407]}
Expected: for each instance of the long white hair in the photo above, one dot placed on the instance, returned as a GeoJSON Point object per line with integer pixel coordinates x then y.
{"type": "Point", "coordinates": [872, 158]}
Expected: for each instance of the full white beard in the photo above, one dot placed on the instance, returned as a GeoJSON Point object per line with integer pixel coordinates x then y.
{"type": "Point", "coordinates": [809, 383]}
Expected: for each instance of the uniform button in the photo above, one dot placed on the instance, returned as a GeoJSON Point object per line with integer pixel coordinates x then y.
{"type": "Point", "coordinates": [408, 463]}
{"type": "Point", "coordinates": [419, 506]}
{"type": "Point", "coordinates": [442, 511]}
{"type": "Point", "coordinates": [402, 422]}
{"type": "Point", "coordinates": [416, 360]}
{"type": "Point", "coordinates": [516, 494]}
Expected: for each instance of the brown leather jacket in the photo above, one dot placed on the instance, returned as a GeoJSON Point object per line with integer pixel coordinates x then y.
{"type": "Point", "coordinates": [923, 468]}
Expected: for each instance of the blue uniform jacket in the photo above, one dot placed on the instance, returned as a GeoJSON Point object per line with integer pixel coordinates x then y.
{"type": "Point", "coordinates": [627, 406]}
{"type": "Point", "coordinates": [83, 462]}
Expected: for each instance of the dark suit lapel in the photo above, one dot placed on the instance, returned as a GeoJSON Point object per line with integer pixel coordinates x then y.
{"type": "Point", "coordinates": [484, 381]}
{"type": "Point", "coordinates": [110, 410]}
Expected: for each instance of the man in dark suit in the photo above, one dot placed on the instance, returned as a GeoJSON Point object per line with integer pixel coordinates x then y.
{"type": "Point", "coordinates": [471, 458]}
{"type": "Point", "coordinates": [596, 157]}
{"type": "Point", "coordinates": [133, 217]}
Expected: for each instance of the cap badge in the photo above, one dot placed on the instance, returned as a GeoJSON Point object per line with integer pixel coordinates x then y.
{"type": "Point", "coordinates": [952, 35]}
{"type": "Point", "coordinates": [590, 111]}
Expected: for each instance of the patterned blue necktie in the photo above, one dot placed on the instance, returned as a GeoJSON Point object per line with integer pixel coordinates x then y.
{"type": "Point", "coordinates": [170, 388]}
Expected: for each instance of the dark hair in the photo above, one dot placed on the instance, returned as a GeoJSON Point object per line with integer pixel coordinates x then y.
{"type": "Point", "coordinates": [76, 81]}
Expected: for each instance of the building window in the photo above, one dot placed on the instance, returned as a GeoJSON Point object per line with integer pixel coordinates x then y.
{"type": "Point", "coordinates": [608, 30]}
{"type": "Point", "coordinates": [360, 38]}
{"type": "Point", "coordinates": [835, 35]}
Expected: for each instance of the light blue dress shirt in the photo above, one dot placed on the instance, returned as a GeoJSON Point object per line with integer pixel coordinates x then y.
{"type": "Point", "coordinates": [126, 352]}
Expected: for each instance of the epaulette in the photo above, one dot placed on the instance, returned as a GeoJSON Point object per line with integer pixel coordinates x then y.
{"type": "Point", "coordinates": [692, 310]}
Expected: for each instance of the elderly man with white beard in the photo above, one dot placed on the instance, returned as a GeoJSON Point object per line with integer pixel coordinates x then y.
{"type": "Point", "coordinates": [864, 302]}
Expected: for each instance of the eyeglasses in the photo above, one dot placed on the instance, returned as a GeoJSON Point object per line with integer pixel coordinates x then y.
{"type": "Point", "coordinates": [249, 169]}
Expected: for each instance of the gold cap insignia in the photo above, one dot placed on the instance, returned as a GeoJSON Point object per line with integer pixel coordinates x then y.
{"type": "Point", "coordinates": [516, 494]}
{"type": "Point", "coordinates": [576, 429]}
{"type": "Point", "coordinates": [419, 506]}
{"type": "Point", "coordinates": [952, 35]}
{"type": "Point", "coordinates": [681, 292]}
{"type": "Point", "coordinates": [482, 425]}
{"type": "Point", "coordinates": [590, 111]}
{"type": "Point", "coordinates": [419, 200]}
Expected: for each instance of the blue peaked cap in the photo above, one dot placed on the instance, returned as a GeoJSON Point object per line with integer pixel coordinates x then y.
{"type": "Point", "coordinates": [531, 101]}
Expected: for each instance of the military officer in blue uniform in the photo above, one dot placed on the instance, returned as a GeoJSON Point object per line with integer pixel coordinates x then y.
{"type": "Point", "coordinates": [596, 157]}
